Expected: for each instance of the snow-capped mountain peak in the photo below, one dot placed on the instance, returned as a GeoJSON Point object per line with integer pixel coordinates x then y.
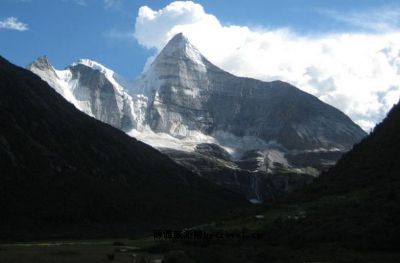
{"type": "Point", "coordinates": [110, 75]}
{"type": "Point", "coordinates": [43, 68]}
{"type": "Point", "coordinates": [94, 65]}
{"type": "Point", "coordinates": [42, 63]}
{"type": "Point", "coordinates": [177, 43]}
{"type": "Point", "coordinates": [180, 48]}
{"type": "Point", "coordinates": [188, 93]}
{"type": "Point", "coordinates": [183, 101]}
{"type": "Point", "coordinates": [94, 89]}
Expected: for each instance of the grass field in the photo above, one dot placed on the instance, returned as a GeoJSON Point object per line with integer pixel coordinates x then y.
{"type": "Point", "coordinates": [78, 251]}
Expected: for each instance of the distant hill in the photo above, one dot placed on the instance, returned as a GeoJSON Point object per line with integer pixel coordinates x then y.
{"type": "Point", "coordinates": [63, 173]}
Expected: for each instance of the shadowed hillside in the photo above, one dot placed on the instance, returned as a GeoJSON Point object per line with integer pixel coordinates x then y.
{"type": "Point", "coordinates": [65, 173]}
{"type": "Point", "coordinates": [350, 214]}
{"type": "Point", "coordinates": [357, 202]}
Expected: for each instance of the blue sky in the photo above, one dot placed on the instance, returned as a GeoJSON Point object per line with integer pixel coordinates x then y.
{"type": "Point", "coordinates": [67, 30]}
{"type": "Point", "coordinates": [345, 52]}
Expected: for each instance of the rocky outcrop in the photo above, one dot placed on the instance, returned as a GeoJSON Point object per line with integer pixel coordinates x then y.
{"type": "Point", "coordinates": [258, 175]}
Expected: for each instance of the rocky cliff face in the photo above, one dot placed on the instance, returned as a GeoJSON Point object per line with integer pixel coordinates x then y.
{"type": "Point", "coordinates": [257, 175]}
{"type": "Point", "coordinates": [93, 89]}
{"type": "Point", "coordinates": [187, 93]}
{"type": "Point", "coordinates": [259, 138]}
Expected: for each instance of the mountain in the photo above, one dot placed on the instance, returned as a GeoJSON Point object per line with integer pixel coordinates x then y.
{"type": "Point", "coordinates": [187, 93]}
{"type": "Point", "coordinates": [64, 173]}
{"type": "Point", "coordinates": [274, 137]}
{"type": "Point", "coordinates": [93, 89]}
{"type": "Point", "coordinates": [350, 213]}
{"type": "Point", "coordinates": [370, 163]}
{"type": "Point", "coordinates": [355, 204]}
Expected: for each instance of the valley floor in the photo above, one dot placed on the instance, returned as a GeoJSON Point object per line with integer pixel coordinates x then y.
{"type": "Point", "coordinates": [148, 250]}
{"type": "Point", "coordinates": [82, 251]}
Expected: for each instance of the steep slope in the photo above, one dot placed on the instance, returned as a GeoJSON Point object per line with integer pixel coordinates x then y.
{"type": "Point", "coordinates": [273, 128]}
{"type": "Point", "coordinates": [356, 202]}
{"type": "Point", "coordinates": [187, 93]}
{"type": "Point", "coordinates": [370, 163]}
{"type": "Point", "coordinates": [351, 213]}
{"type": "Point", "coordinates": [65, 173]}
{"type": "Point", "coordinates": [271, 131]}
{"type": "Point", "coordinates": [95, 90]}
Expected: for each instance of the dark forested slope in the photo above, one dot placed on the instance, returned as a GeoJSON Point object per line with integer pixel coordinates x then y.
{"type": "Point", "coordinates": [351, 213]}
{"type": "Point", "coordinates": [61, 171]}
{"type": "Point", "coordinates": [357, 202]}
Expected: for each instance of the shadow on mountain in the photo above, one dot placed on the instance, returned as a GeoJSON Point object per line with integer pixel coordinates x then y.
{"type": "Point", "coordinates": [351, 213]}
{"type": "Point", "coordinates": [66, 174]}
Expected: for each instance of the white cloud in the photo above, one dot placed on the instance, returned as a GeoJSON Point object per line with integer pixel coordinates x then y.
{"type": "Point", "coordinates": [121, 35]}
{"type": "Point", "coordinates": [78, 2]}
{"type": "Point", "coordinates": [112, 4]}
{"type": "Point", "coordinates": [358, 73]}
{"type": "Point", "coordinates": [12, 23]}
{"type": "Point", "coordinates": [386, 18]}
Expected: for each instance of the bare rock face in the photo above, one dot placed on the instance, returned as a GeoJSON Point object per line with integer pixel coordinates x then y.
{"type": "Point", "coordinates": [187, 92]}
{"type": "Point", "coordinates": [255, 175]}
{"type": "Point", "coordinates": [259, 138]}
{"type": "Point", "coordinates": [93, 89]}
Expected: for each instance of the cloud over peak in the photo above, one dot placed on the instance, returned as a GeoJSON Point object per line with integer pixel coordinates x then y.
{"type": "Point", "coordinates": [359, 73]}
{"type": "Point", "coordinates": [165, 22]}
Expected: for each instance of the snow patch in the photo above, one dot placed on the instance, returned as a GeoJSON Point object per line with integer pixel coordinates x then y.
{"type": "Point", "coordinates": [165, 140]}
{"type": "Point", "coordinates": [108, 73]}
{"type": "Point", "coordinates": [255, 201]}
